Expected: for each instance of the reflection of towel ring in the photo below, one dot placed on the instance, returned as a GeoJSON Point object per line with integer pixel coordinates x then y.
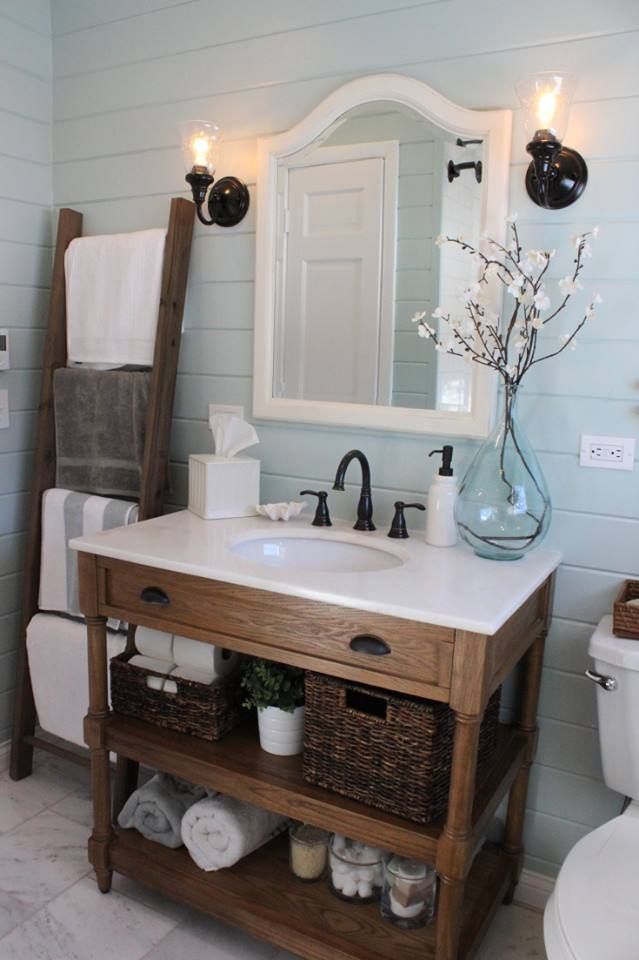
{"type": "Point", "coordinates": [455, 168]}
{"type": "Point", "coordinates": [466, 143]}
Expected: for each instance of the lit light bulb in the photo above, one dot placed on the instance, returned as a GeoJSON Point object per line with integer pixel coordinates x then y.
{"type": "Point", "coordinates": [200, 151]}
{"type": "Point", "coordinates": [546, 108]}
{"type": "Point", "coordinates": [200, 145]}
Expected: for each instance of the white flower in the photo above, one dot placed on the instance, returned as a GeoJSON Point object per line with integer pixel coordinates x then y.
{"type": "Point", "coordinates": [526, 297]}
{"type": "Point", "coordinates": [438, 314]}
{"type": "Point", "coordinates": [537, 257]}
{"type": "Point", "coordinates": [467, 329]}
{"type": "Point", "coordinates": [595, 232]}
{"type": "Point", "coordinates": [541, 299]}
{"type": "Point", "coordinates": [596, 298]}
{"type": "Point", "coordinates": [418, 316]}
{"type": "Point", "coordinates": [565, 337]}
{"type": "Point", "coordinates": [425, 331]}
{"type": "Point", "coordinates": [576, 240]}
{"type": "Point", "coordinates": [568, 286]}
{"type": "Point", "coordinates": [441, 239]}
{"type": "Point", "coordinates": [551, 254]}
{"type": "Point", "coordinates": [537, 322]}
{"type": "Point", "coordinates": [512, 218]}
{"type": "Point", "coordinates": [440, 348]}
{"type": "Point", "coordinates": [515, 285]}
{"type": "Point", "coordinates": [510, 369]}
{"type": "Point", "coordinates": [590, 312]}
{"type": "Point", "coordinates": [586, 250]}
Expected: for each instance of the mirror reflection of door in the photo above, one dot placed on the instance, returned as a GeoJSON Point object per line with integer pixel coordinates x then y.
{"type": "Point", "coordinates": [337, 287]}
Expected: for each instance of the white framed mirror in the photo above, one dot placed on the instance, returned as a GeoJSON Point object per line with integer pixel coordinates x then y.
{"type": "Point", "coordinates": [350, 203]}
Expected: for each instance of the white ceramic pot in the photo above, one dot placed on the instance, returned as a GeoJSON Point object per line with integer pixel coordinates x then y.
{"type": "Point", "coordinates": [281, 732]}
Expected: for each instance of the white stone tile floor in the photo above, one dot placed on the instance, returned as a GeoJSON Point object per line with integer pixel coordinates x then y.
{"type": "Point", "coordinates": [50, 907]}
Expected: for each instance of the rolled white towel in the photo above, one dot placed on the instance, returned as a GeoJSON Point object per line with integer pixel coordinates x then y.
{"type": "Point", "coordinates": [154, 643]}
{"type": "Point", "coordinates": [203, 656]}
{"type": "Point", "coordinates": [157, 808]}
{"type": "Point", "coordinates": [219, 831]}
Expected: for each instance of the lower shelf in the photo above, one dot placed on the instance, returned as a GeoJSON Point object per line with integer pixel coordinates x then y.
{"type": "Point", "coordinates": [261, 896]}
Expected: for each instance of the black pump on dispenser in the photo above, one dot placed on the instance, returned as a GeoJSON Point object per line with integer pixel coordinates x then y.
{"type": "Point", "coordinates": [446, 469]}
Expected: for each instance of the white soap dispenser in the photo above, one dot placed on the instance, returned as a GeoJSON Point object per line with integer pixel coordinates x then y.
{"type": "Point", "coordinates": [441, 529]}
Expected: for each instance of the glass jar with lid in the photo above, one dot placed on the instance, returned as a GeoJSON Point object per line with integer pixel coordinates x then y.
{"type": "Point", "coordinates": [356, 870]}
{"type": "Point", "coordinates": [308, 851]}
{"type": "Point", "coordinates": [408, 895]}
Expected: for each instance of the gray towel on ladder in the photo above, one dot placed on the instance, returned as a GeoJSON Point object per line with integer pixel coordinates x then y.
{"type": "Point", "coordinates": [100, 420]}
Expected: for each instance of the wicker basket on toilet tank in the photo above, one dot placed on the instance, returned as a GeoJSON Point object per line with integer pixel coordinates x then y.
{"type": "Point", "coordinates": [388, 750]}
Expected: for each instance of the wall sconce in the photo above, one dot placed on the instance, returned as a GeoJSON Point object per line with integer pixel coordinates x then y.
{"type": "Point", "coordinates": [228, 199]}
{"type": "Point", "coordinates": [557, 175]}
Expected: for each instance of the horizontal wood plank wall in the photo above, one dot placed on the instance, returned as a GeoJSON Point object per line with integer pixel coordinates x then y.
{"type": "Point", "coordinates": [25, 273]}
{"type": "Point", "coordinates": [129, 71]}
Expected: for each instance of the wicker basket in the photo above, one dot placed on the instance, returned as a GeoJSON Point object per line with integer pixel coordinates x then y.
{"type": "Point", "coordinates": [625, 619]}
{"type": "Point", "coordinates": [385, 749]}
{"type": "Point", "coordinates": [202, 710]}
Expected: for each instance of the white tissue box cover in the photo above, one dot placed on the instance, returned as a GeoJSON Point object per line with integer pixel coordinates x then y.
{"type": "Point", "coordinates": [222, 487]}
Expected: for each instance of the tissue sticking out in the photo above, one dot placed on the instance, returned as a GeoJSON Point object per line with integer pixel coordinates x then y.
{"type": "Point", "coordinates": [231, 434]}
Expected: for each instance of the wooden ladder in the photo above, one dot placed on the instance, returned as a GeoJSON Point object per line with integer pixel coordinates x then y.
{"type": "Point", "coordinates": [156, 447]}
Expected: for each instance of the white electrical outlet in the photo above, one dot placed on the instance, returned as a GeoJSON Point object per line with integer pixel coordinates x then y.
{"type": "Point", "coordinates": [4, 409]}
{"type": "Point", "coordinates": [237, 411]}
{"type": "Point", "coordinates": [607, 453]}
{"type": "Point", "coordinates": [4, 349]}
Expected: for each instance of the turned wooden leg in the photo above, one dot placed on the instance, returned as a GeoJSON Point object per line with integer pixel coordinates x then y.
{"type": "Point", "coordinates": [527, 725]}
{"type": "Point", "coordinates": [454, 851]}
{"type": "Point", "coordinates": [95, 736]}
{"type": "Point", "coordinates": [24, 717]}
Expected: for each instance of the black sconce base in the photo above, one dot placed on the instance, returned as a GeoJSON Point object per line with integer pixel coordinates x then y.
{"type": "Point", "coordinates": [565, 175]}
{"type": "Point", "coordinates": [228, 200]}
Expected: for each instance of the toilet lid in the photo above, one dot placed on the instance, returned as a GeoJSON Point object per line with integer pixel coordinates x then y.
{"type": "Point", "coordinates": [597, 892]}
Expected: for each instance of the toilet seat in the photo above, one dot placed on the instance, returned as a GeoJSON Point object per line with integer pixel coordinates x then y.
{"type": "Point", "coordinates": [594, 910]}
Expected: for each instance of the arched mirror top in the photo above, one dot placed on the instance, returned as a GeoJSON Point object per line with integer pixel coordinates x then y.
{"type": "Point", "coordinates": [350, 202]}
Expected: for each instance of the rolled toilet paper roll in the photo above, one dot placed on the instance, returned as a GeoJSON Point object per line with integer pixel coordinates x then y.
{"type": "Point", "coordinates": [154, 643]}
{"type": "Point", "coordinates": [190, 673]}
{"type": "Point", "coordinates": [202, 656]}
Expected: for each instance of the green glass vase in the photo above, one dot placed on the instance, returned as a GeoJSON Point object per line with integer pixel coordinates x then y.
{"type": "Point", "coordinates": [503, 509]}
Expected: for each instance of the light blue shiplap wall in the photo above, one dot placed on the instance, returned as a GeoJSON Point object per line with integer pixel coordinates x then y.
{"type": "Point", "coordinates": [25, 214]}
{"type": "Point", "coordinates": [128, 71]}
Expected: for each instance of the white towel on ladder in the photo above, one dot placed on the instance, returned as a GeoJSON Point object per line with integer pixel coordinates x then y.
{"type": "Point", "coordinates": [113, 286]}
{"type": "Point", "coordinates": [65, 515]}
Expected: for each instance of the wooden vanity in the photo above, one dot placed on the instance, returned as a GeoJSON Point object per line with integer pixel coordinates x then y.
{"type": "Point", "coordinates": [461, 667]}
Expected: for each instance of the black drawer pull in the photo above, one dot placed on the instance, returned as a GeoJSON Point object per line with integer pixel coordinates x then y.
{"type": "Point", "coordinates": [155, 595]}
{"type": "Point", "coordinates": [373, 646]}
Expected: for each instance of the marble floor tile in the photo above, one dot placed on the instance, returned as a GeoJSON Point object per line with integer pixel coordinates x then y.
{"type": "Point", "coordinates": [49, 783]}
{"type": "Point", "coordinates": [38, 860]}
{"type": "Point", "coordinates": [515, 934]}
{"type": "Point", "coordinates": [83, 924]}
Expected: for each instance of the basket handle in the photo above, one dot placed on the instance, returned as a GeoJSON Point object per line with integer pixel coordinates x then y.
{"type": "Point", "coordinates": [367, 703]}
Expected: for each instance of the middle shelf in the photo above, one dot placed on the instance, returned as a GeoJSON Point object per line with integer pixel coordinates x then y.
{"type": "Point", "coordinates": [238, 766]}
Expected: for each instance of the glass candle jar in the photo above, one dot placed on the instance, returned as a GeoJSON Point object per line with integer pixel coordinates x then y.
{"type": "Point", "coordinates": [356, 870]}
{"type": "Point", "coordinates": [408, 896]}
{"type": "Point", "coordinates": [308, 851]}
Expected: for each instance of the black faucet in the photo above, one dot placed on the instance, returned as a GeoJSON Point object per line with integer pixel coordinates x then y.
{"type": "Point", "coordinates": [365, 505]}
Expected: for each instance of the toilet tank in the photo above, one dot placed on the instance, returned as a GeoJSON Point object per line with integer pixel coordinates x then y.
{"type": "Point", "coordinates": [618, 709]}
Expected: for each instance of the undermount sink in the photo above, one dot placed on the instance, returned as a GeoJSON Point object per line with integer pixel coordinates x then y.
{"type": "Point", "coordinates": [315, 554]}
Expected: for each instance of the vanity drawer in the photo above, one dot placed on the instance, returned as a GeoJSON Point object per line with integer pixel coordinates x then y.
{"type": "Point", "coordinates": [373, 648]}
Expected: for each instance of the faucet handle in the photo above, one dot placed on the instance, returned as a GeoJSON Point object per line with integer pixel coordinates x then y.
{"type": "Point", "coordinates": [322, 516]}
{"type": "Point", "coordinates": [398, 529]}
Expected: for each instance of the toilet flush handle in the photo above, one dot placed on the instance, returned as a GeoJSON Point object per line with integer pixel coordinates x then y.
{"type": "Point", "coordinates": [608, 683]}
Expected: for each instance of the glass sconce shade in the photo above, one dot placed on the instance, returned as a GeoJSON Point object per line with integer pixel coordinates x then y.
{"type": "Point", "coordinates": [200, 146]}
{"type": "Point", "coordinates": [546, 99]}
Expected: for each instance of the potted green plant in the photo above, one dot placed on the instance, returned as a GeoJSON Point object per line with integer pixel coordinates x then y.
{"type": "Point", "coordinates": [277, 692]}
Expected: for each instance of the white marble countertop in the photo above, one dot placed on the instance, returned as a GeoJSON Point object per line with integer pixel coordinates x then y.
{"type": "Point", "coordinates": [446, 586]}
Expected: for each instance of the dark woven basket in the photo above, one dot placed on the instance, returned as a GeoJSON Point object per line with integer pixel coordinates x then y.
{"type": "Point", "coordinates": [385, 749]}
{"type": "Point", "coordinates": [202, 710]}
{"type": "Point", "coordinates": [625, 619]}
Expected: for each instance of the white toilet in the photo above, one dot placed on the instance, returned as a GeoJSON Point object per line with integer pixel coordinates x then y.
{"type": "Point", "coordinates": [593, 913]}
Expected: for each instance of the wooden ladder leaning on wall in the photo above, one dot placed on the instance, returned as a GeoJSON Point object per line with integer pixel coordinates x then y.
{"type": "Point", "coordinates": [156, 448]}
